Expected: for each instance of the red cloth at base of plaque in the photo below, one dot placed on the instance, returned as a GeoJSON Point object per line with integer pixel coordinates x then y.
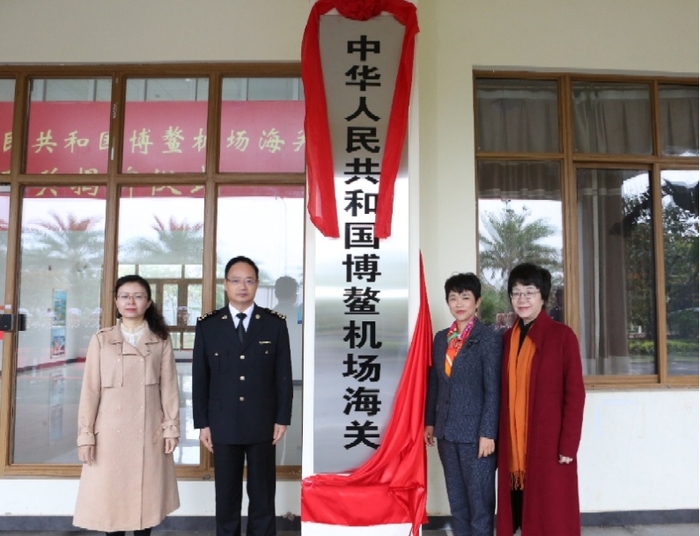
{"type": "Point", "coordinates": [391, 486]}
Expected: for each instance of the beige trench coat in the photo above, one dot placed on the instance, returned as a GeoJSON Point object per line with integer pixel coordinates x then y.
{"type": "Point", "coordinates": [129, 403]}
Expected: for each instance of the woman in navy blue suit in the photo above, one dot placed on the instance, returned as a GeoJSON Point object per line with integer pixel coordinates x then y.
{"type": "Point", "coordinates": [462, 408]}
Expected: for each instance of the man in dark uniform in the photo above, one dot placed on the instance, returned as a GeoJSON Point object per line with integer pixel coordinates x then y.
{"type": "Point", "coordinates": [242, 399]}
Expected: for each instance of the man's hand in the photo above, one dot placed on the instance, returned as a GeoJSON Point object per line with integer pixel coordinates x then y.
{"type": "Point", "coordinates": [429, 438]}
{"type": "Point", "coordinates": [278, 432]}
{"type": "Point", "coordinates": [205, 438]}
{"type": "Point", "coordinates": [86, 454]}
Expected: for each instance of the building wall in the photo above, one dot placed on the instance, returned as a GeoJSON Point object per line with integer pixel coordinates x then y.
{"type": "Point", "coordinates": [639, 448]}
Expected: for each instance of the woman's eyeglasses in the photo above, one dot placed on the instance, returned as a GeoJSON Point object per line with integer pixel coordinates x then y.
{"type": "Point", "coordinates": [528, 295]}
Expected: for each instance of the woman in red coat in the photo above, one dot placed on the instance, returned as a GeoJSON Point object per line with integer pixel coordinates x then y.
{"type": "Point", "coordinates": [542, 399]}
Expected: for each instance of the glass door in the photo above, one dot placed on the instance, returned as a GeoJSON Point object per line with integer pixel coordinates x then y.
{"type": "Point", "coordinates": [61, 262]}
{"type": "Point", "coordinates": [4, 226]}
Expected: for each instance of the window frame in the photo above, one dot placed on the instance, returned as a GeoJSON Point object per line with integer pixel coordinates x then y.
{"type": "Point", "coordinates": [570, 161]}
{"type": "Point", "coordinates": [114, 180]}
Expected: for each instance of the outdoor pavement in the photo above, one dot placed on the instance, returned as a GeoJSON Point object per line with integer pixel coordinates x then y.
{"type": "Point", "coordinates": [634, 530]}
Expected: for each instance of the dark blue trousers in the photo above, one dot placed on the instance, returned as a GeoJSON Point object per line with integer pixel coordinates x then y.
{"type": "Point", "coordinates": [471, 487]}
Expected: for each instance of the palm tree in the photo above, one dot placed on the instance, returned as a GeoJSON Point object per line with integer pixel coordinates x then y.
{"type": "Point", "coordinates": [176, 243]}
{"type": "Point", "coordinates": [73, 243]}
{"type": "Point", "coordinates": [509, 238]}
{"type": "Point", "coordinates": [62, 252]}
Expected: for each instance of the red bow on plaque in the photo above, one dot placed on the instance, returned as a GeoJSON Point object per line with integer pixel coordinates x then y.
{"type": "Point", "coordinates": [319, 158]}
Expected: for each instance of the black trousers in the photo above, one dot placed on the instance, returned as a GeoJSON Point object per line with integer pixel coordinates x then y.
{"type": "Point", "coordinates": [143, 532]}
{"type": "Point", "coordinates": [228, 485]}
{"type": "Point", "coordinates": [516, 504]}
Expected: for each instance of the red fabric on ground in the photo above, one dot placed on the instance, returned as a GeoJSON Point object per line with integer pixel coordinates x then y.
{"type": "Point", "coordinates": [391, 486]}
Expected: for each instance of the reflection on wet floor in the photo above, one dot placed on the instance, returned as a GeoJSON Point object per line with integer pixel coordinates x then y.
{"type": "Point", "coordinates": [47, 415]}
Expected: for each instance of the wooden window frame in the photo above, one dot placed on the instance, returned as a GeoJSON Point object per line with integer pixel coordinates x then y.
{"type": "Point", "coordinates": [113, 180]}
{"type": "Point", "coordinates": [570, 162]}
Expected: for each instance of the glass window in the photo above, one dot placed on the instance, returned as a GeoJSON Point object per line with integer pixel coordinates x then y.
{"type": "Point", "coordinates": [62, 251]}
{"type": "Point", "coordinates": [618, 334]}
{"type": "Point", "coordinates": [517, 115]}
{"type": "Point", "coordinates": [611, 118]}
{"type": "Point", "coordinates": [261, 89]}
{"type": "Point", "coordinates": [69, 126]}
{"type": "Point", "coordinates": [161, 239]}
{"type": "Point", "coordinates": [520, 220]}
{"type": "Point", "coordinates": [678, 111]}
{"type": "Point", "coordinates": [262, 125]}
{"type": "Point", "coordinates": [4, 219]}
{"type": "Point", "coordinates": [165, 125]}
{"type": "Point", "coordinates": [7, 108]}
{"type": "Point", "coordinates": [618, 259]}
{"type": "Point", "coordinates": [679, 191]}
{"type": "Point", "coordinates": [275, 242]}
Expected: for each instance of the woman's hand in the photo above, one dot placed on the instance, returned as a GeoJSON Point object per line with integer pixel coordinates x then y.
{"type": "Point", "coordinates": [170, 444]}
{"type": "Point", "coordinates": [429, 439]}
{"type": "Point", "coordinates": [565, 459]}
{"type": "Point", "coordinates": [86, 454]}
{"type": "Point", "coordinates": [486, 447]}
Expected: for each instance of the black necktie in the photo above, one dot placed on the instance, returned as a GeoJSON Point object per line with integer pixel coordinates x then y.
{"type": "Point", "coordinates": [241, 328]}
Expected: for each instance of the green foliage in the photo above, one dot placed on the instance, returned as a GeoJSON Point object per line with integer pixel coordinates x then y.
{"type": "Point", "coordinates": [677, 348]}
{"type": "Point", "coordinates": [683, 324]}
{"type": "Point", "coordinates": [492, 301]}
{"type": "Point", "coordinates": [680, 231]}
{"type": "Point", "coordinates": [511, 238]}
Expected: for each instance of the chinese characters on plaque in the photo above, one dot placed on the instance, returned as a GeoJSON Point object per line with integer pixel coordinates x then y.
{"type": "Point", "coordinates": [361, 289]}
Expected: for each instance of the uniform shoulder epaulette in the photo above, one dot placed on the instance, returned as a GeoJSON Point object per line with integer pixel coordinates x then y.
{"type": "Point", "coordinates": [206, 315]}
{"type": "Point", "coordinates": [273, 312]}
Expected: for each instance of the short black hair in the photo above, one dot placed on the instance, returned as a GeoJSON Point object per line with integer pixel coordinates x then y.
{"type": "Point", "coordinates": [531, 274]}
{"type": "Point", "coordinates": [286, 288]}
{"type": "Point", "coordinates": [244, 259]}
{"type": "Point", "coordinates": [460, 282]}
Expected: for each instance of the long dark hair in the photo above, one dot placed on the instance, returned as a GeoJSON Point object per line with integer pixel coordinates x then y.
{"type": "Point", "coordinates": [156, 322]}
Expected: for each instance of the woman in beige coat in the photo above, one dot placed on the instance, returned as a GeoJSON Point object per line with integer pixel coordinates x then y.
{"type": "Point", "coordinates": [128, 419]}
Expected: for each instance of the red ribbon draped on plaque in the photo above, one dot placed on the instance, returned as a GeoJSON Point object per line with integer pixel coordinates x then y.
{"type": "Point", "coordinates": [391, 486]}
{"type": "Point", "coordinates": [319, 158]}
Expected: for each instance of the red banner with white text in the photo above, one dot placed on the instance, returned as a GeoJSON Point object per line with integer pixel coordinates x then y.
{"type": "Point", "coordinates": [159, 137]}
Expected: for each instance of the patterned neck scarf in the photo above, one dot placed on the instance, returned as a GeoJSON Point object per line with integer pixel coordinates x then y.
{"type": "Point", "coordinates": [455, 340]}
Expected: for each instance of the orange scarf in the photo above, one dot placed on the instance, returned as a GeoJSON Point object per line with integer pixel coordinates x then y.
{"type": "Point", "coordinates": [519, 366]}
